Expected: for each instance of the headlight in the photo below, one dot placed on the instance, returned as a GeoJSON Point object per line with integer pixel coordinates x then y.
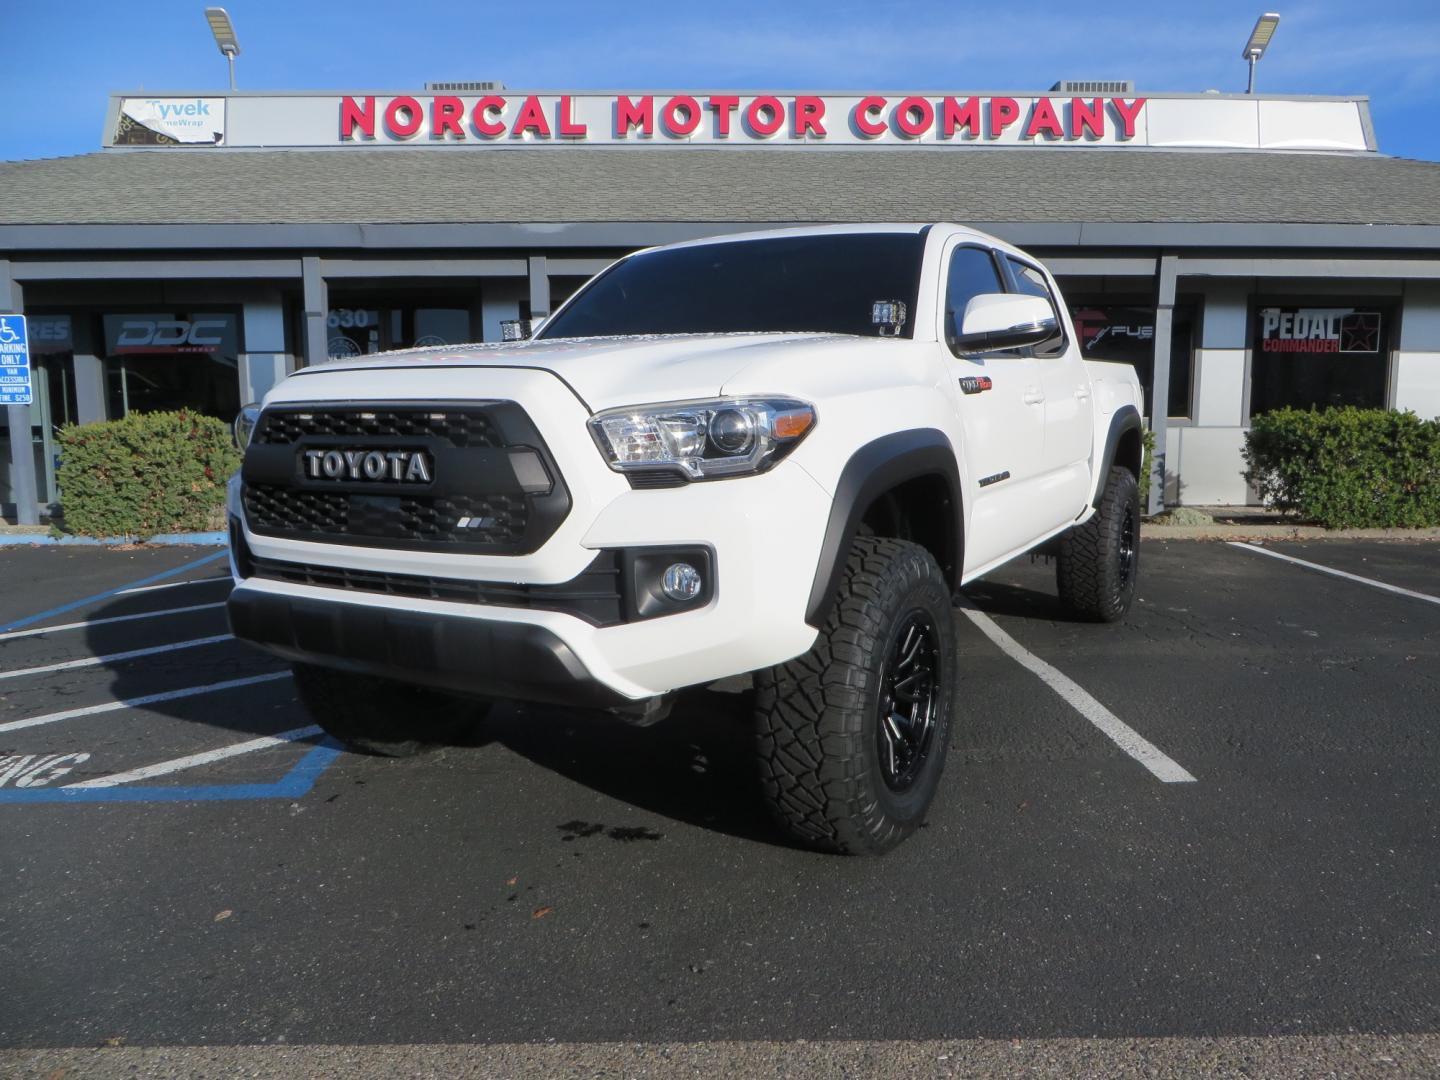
{"type": "Point", "coordinates": [702, 439]}
{"type": "Point", "coordinates": [245, 424]}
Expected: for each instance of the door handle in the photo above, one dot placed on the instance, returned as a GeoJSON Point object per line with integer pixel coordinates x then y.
{"type": "Point", "coordinates": [1082, 393]}
{"type": "Point", "coordinates": [1033, 396]}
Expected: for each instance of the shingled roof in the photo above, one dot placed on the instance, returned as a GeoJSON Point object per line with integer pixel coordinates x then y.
{"type": "Point", "coordinates": [415, 185]}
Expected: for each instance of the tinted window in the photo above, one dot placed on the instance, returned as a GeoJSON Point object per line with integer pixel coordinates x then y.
{"type": "Point", "coordinates": [1314, 356]}
{"type": "Point", "coordinates": [1029, 280]}
{"type": "Point", "coordinates": [972, 273]}
{"type": "Point", "coordinates": [1032, 282]}
{"type": "Point", "coordinates": [824, 284]}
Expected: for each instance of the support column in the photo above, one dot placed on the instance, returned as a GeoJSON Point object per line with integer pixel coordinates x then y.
{"type": "Point", "coordinates": [539, 288]}
{"type": "Point", "coordinates": [1160, 382]}
{"type": "Point", "coordinates": [317, 311]}
{"type": "Point", "coordinates": [22, 453]}
{"type": "Point", "coordinates": [263, 362]}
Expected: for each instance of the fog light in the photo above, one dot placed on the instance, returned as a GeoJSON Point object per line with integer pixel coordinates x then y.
{"type": "Point", "coordinates": [681, 582]}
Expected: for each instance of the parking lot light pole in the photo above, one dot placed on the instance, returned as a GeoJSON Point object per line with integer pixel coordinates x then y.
{"type": "Point", "coordinates": [224, 31]}
{"type": "Point", "coordinates": [1258, 43]}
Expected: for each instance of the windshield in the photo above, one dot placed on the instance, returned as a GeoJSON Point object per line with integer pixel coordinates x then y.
{"type": "Point", "coordinates": [797, 284]}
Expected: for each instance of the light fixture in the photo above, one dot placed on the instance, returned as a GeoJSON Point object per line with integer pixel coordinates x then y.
{"type": "Point", "coordinates": [1258, 43]}
{"type": "Point", "coordinates": [224, 31]}
{"type": "Point", "coordinates": [682, 582]}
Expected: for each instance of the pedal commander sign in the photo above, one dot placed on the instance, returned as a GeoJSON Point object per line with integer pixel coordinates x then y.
{"type": "Point", "coordinates": [710, 118]}
{"type": "Point", "coordinates": [1320, 330]}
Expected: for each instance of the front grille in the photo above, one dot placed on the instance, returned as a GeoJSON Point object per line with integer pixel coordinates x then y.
{"type": "Point", "coordinates": [460, 428]}
{"type": "Point", "coordinates": [593, 595]}
{"type": "Point", "coordinates": [479, 493]}
{"type": "Point", "coordinates": [498, 520]}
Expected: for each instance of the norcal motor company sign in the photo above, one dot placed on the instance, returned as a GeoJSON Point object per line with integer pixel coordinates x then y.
{"type": "Point", "coordinates": [711, 118]}
{"type": "Point", "coordinates": [722, 117]}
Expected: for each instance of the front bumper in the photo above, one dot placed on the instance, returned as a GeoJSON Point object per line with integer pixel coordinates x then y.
{"type": "Point", "coordinates": [474, 656]}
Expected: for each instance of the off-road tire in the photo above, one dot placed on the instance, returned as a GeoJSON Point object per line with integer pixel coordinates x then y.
{"type": "Point", "coordinates": [1098, 563]}
{"type": "Point", "coordinates": [383, 717]}
{"type": "Point", "coordinates": [818, 717]}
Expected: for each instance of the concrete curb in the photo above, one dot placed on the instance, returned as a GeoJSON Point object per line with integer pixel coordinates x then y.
{"type": "Point", "coordinates": [203, 539]}
{"type": "Point", "coordinates": [1149, 531]}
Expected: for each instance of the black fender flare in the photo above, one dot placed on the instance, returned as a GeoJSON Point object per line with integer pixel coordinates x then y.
{"type": "Point", "coordinates": [872, 470]}
{"type": "Point", "coordinates": [1126, 418]}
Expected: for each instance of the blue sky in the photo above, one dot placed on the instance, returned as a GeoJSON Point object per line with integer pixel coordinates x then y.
{"type": "Point", "coordinates": [63, 57]}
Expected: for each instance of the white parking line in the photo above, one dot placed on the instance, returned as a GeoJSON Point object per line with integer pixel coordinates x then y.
{"type": "Point", "coordinates": [1120, 733]}
{"type": "Point", "coordinates": [1336, 573]}
{"type": "Point", "coordinates": [91, 661]}
{"type": "Point", "coordinates": [190, 761]}
{"type": "Point", "coordinates": [172, 585]}
{"type": "Point", "coordinates": [137, 702]}
{"type": "Point", "coordinates": [103, 622]}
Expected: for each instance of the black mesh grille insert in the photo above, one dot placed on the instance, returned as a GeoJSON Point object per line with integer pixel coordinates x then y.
{"type": "Point", "coordinates": [594, 595]}
{"type": "Point", "coordinates": [460, 428]}
{"type": "Point", "coordinates": [453, 519]}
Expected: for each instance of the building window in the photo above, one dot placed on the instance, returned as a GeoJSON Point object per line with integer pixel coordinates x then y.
{"type": "Point", "coordinates": [359, 329]}
{"type": "Point", "coordinates": [1316, 357]}
{"type": "Point", "coordinates": [1125, 334]}
{"type": "Point", "coordinates": [159, 361]}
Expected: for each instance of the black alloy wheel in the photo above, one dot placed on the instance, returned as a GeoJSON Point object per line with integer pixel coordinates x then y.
{"type": "Point", "coordinates": [908, 701]}
{"type": "Point", "coordinates": [1126, 550]}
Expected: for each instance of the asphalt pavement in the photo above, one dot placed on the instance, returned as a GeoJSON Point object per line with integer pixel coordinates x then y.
{"type": "Point", "coordinates": [227, 879]}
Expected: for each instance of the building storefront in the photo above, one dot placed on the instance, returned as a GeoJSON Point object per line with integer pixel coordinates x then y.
{"type": "Point", "coordinates": [1244, 253]}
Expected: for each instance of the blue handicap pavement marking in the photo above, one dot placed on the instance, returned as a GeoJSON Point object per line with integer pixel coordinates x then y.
{"type": "Point", "coordinates": [63, 608]}
{"type": "Point", "coordinates": [15, 386]}
{"type": "Point", "coordinates": [293, 785]}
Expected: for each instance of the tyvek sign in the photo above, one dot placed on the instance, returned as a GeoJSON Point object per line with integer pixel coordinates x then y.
{"type": "Point", "coordinates": [166, 121]}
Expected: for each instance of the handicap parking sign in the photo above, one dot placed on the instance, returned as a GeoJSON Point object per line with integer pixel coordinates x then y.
{"type": "Point", "coordinates": [15, 388]}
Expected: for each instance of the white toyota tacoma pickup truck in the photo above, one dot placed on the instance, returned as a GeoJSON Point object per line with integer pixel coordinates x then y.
{"type": "Point", "coordinates": [780, 453]}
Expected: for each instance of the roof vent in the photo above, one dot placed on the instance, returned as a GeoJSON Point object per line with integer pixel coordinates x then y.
{"type": "Point", "coordinates": [463, 87]}
{"type": "Point", "coordinates": [1094, 86]}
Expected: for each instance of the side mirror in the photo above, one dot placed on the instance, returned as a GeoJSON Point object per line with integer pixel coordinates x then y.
{"type": "Point", "coordinates": [996, 321]}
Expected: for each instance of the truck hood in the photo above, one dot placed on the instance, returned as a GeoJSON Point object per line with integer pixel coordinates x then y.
{"type": "Point", "coordinates": [610, 372]}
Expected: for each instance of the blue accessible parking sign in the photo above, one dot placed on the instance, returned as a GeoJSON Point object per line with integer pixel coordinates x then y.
{"type": "Point", "coordinates": [15, 388]}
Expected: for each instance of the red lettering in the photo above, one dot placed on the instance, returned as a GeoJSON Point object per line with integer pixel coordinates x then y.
{"type": "Point", "coordinates": [568, 128]}
{"type": "Point", "coordinates": [809, 116]}
{"type": "Point", "coordinates": [956, 117]}
{"type": "Point", "coordinates": [1043, 118]}
{"type": "Point", "coordinates": [353, 116]}
{"type": "Point", "coordinates": [765, 115]}
{"type": "Point", "coordinates": [631, 114]}
{"type": "Point", "coordinates": [485, 117]}
{"type": "Point", "coordinates": [723, 105]}
{"type": "Point", "coordinates": [1087, 118]}
{"type": "Point", "coordinates": [447, 114]}
{"type": "Point", "coordinates": [531, 118]}
{"type": "Point", "coordinates": [1004, 111]}
{"type": "Point", "coordinates": [906, 121]}
{"type": "Point", "coordinates": [864, 124]}
{"type": "Point", "coordinates": [403, 129]}
{"type": "Point", "coordinates": [1127, 113]}
{"type": "Point", "coordinates": [670, 115]}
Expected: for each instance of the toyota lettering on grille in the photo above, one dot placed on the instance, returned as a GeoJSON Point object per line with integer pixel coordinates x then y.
{"type": "Point", "coordinates": [381, 466]}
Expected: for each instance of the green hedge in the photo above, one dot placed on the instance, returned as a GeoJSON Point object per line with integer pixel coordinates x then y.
{"type": "Point", "coordinates": [148, 473]}
{"type": "Point", "coordinates": [1347, 468]}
